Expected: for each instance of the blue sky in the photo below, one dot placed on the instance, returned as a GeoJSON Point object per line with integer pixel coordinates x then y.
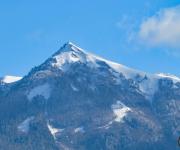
{"type": "Point", "coordinates": [142, 34]}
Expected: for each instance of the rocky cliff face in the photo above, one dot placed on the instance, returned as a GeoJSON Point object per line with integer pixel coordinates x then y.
{"type": "Point", "coordinates": [78, 101]}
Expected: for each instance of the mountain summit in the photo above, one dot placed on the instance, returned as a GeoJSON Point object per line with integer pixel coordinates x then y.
{"type": "Point", "coordinates": [79, 101]}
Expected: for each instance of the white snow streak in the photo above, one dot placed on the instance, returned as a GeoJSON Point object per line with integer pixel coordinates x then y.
{"type": "Point", "coordinates": [172, 77]}
{"type": "Point", "coordinates": [53, 130]}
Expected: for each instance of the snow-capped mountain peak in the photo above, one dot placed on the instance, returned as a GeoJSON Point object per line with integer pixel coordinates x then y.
{"type": "Point", "coordinates": [69, 47]}
{"type": "Point", "coordinates": [76, 98]}
{"type": "Point", "coordinates": [70, 54]}
{"type": "Point", "coordinates": [67, 55]}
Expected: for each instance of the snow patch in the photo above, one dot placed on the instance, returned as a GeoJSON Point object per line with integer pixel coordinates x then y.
{"type": "Point", "coordinates": [10, 79]}
{"type": "Point", "coordinates": [24, 126]}
{"type": "Point", "coordinates": [120, 111]}
{"type": "Point", "coordinates": [53, 130]}
{"type": "Point", "coordinates": [79, 129]}
{"type": "Point", "coordinates": [43, 90]}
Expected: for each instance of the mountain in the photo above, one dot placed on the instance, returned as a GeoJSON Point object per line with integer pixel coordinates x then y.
{"type": "Point", "coordinates": [78, 101]}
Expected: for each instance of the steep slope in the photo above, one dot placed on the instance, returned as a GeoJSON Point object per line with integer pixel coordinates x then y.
{"type": "Point", "coordinates": [76, 100]}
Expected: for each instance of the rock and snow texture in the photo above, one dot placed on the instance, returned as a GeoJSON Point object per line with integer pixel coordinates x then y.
{"type": "Point", "coordinates": [120, 111]}
{"type": "Point", "coordinates": [70, 53]}
{"type": "Point", "coordinates": [79, 99]}
{"type": "Point", "coordinates": [41, 90]}
{"type": "Point", "coordinates": [10, 79]}
{"type": "Point", "coordinates": [24, 126]}
{"type": "Point", "coordinates": [63, 60]}
{"type": "Point", "coordinates": [148, 86]}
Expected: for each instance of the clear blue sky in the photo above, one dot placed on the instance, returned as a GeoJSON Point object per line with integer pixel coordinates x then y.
{"type": "Point", "coordinates": [31, 31]}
